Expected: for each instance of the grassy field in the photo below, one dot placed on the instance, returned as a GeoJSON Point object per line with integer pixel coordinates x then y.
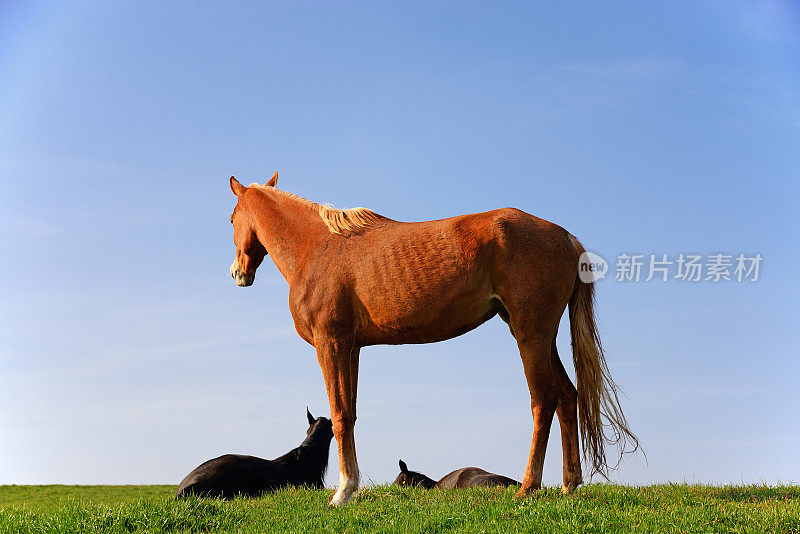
{"type": "Point", "coordinates": [593, 508]}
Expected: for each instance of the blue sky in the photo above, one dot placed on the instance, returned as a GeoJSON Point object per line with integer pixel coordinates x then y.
{"type": "Point", "coordinates": [128, 355]}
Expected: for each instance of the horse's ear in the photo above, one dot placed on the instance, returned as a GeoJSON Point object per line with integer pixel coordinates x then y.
{"type": "Point", "coordinates": [403, 467]}
{"type": "Point", "coordinates": [274, 180]}
{"type": "Point", "coordinates": [310, 417]}
{"type": "Point", "coordinates": [237, 188]}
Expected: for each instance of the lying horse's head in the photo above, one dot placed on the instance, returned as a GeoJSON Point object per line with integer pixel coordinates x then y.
{"type": "Point", "coordinates": [412, 478]}
{"type": "Point", "coordinates": [249, 250]}
{"type": "Point", "coordinates": [320, 425]}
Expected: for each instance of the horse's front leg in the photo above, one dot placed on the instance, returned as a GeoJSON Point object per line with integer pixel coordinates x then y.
{"type": "Point", "coordinates": [338, 360]}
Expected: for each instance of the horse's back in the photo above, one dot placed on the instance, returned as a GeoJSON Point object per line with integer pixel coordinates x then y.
{"type": "Point", "coordinates": [430, 281]}
{"type": "Point", "coordinates": [473, 477]}
{"type": "Point", "coordinates": [230, 475]}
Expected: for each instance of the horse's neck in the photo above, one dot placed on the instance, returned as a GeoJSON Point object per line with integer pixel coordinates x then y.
{"type": "Point", "coordinates": [315, 447]}
{"type": "Point", "coordinates": [317, 444]}
{"type": "Point", "coordinates": [429, 483]}
{"type": "Point", "coordinates": [423, 481]}
{"type": "Point", "coordinates": [288, 228]}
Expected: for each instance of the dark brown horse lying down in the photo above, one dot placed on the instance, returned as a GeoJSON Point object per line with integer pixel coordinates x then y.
{"type": "Point", "coordinates": [236, 474]}
{"type": "Point", "coordinates": [466, 477]}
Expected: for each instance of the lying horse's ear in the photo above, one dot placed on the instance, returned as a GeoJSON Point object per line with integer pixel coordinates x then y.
{"type": "Point", "coordinates": [310, 417]}
{"type": "Point", "coordinates": [274, 180]}
{"type": "Point", "coordinates": [237, 188]}
{"type": "Point", "coordinates": [403, 467]}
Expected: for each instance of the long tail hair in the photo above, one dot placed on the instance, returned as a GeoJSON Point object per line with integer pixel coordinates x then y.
{"type": "Point", "coordinates": [600, 416]}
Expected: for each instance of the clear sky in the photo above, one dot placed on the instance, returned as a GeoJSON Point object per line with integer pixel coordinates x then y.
{"type": "Point", "coordinates": [128, 354]}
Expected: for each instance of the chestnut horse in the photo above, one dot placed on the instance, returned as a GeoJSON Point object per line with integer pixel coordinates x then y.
{"type": "Point", "coordinates": [357, 278]}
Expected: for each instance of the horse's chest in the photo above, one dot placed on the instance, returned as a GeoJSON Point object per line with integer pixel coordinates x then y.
{"type": "Point", "coordinates": [303, 322]}
{"type": "Point", "coordinates": [318, 307]}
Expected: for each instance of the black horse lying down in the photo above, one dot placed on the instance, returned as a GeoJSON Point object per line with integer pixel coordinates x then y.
{"type": "Point", "coordinates": [466, 477]}
{"type": "Point", "coordinates": [236, 474]}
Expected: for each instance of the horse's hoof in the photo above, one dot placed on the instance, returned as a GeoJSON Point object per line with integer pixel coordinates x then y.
{"type": "Point", "coordinates": [346, 492]}
{"type": "Point", "coordinates": [338, 499]}
{"type": "Point", "coordinates": [569, 487]}
{"type": "Point", "coordinates": [525, 492]}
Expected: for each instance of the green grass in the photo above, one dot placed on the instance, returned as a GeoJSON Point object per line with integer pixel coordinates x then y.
{"type": "Point", "coordinates": [593, 508]}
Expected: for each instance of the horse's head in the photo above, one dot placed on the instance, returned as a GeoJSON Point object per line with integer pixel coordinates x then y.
{"type": "Point", "coordinates": [412, 478]}
{"type": "Point", "coordinates": [249, 250]}
{"type": "Point", "coordinates": [318, 424]}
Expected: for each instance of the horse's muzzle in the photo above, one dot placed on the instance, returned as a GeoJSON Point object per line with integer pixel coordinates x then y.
{"type": "Point", "coordinates": [242, 280]}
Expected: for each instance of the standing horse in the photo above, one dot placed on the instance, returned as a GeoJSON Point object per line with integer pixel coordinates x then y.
{"type": "Point", "coordinates": [357, 278]}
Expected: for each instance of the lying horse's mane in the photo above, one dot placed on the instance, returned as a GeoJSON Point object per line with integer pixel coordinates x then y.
{"type": "Point", "coordinates": [340, 222]}
{"type": "Point", "coordinates": [311, 456]}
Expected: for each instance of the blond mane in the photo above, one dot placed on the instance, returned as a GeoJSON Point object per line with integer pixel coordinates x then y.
{"type": "Point", "coordinates": [344, 222]}
{"type": "Point", "coordinates": [340, 222]}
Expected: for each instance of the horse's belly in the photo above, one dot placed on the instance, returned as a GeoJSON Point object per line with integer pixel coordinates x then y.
{"type": "Point", "coordinates": [441, 313]}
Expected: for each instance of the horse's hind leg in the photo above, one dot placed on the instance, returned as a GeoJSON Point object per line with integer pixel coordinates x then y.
{"type": "Point", "coordinates": [567, 412]}
{"type": "Point", "coordinates": [535, 350]}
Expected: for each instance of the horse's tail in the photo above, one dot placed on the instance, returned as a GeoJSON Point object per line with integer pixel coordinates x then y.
{"type": "Point", "coordinates": [600, 416]}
